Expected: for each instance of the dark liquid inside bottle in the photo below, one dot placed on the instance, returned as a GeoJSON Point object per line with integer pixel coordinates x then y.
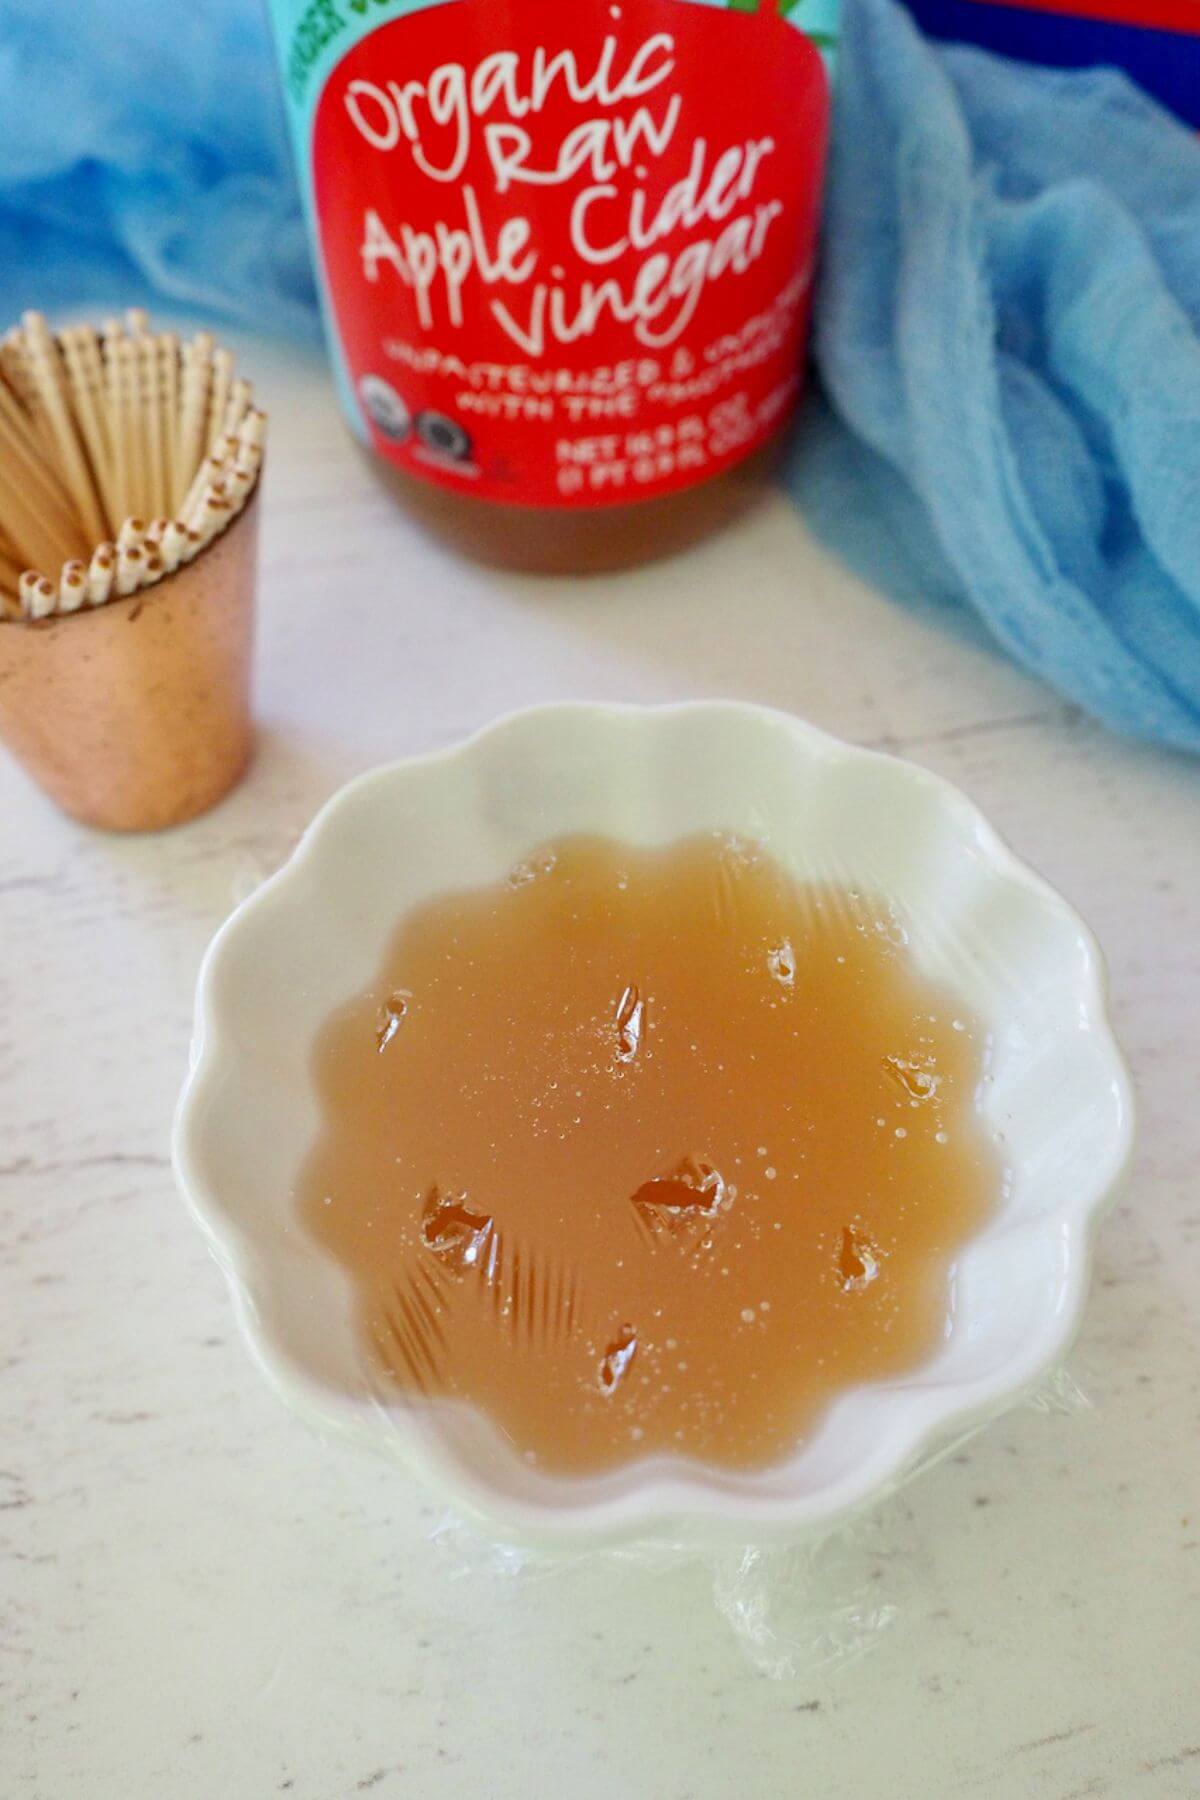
{"type": "Point", "coordinates": [579, 540]}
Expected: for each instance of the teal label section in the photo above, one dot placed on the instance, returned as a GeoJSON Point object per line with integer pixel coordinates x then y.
{"type": "Point", "coordinates": [313, 35]}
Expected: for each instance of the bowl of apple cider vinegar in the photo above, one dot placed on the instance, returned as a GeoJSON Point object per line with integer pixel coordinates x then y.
{"type": "Point", "coordinates": [653, 1122]}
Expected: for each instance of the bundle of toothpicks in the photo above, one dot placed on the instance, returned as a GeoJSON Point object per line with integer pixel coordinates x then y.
{"type": "Point", "coordinates": [123, 453]}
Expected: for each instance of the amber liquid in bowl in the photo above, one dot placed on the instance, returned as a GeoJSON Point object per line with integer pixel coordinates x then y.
{"type": "Point", "coordinates": [648, 1151]}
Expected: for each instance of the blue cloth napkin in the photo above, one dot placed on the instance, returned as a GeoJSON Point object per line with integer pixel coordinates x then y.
{"type": "Point", "coordinates": [143, 146]}
{"type": "Point", "coordinates": [1007, 329]}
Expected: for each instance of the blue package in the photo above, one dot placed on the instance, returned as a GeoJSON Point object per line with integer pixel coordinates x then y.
{"type": "Point", "coordinates": [1158, 44]}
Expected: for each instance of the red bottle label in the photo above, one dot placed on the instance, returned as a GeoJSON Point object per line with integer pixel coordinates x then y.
{"type": "Point", "coordinates": [569, 248]}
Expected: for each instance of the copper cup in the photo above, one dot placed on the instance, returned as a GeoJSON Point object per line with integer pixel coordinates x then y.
{"type": "Point", "coordinates": [135, 715]}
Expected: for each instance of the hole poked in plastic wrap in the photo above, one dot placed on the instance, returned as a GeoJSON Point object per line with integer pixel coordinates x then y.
{"type": "Point", "coordinates": [796, 1610]}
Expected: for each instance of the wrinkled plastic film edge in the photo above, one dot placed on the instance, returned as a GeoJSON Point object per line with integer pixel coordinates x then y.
{"type": "Point", "coordinates": [796, 1610]}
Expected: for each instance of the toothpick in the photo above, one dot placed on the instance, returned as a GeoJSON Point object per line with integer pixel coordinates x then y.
{"type": "Point", "coordinates": [240, 484]}
{"type": "Point", "coordinates": [100, 574]}
{"type": "Point", "coordinates": [134, 422]}
{"type": "Point", "coordinates": [47, 372]}
{"type": "Point", "coordinates": [150, 388]}
{"type": "Point", "coordinates": [248, 460]}
{"type": "Point", "coordinates": [211, 518]}
{"type": "Point", "coordinates": [85, 373]}
{"type": "Point", "coordinates": [222, 379]}
{"type": "Point", "coordinates": [168, 402]}
{"type": "Point", "coordinates": [174, 544]}
{"type": "Point", "coordinates": [114, 387]}
{"type": "Point", "coordinates": [193, 414]}
{"type": "Point", "coordinates": [153, 570]}
{"type": "Point", "coordinates": [240, 396]}
{"type": "Point", "coordinates": [130, 564]}
{"type": "Point", "coordinates": [253, 429]}
{"type": "Point", "coordinates": [37, 596]}
{"type": "Point", "coordinates": [72, 586]}
{"type": "Point", "coordinates": [212, 469]}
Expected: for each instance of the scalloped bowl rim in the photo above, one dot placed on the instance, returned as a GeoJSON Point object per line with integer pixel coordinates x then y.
{"type": "Point", "coordinates": [663, 1497]}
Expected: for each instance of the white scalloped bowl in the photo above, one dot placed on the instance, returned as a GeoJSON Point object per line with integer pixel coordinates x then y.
{"type": "Point", "coordinates": [979, 922]}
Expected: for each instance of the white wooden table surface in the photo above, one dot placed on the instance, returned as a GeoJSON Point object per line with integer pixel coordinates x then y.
{"type": "Point", "coordinates": [202, 1602]}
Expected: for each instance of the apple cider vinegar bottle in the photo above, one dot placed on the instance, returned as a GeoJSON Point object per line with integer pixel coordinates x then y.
{"type": "Point", "coordinates": [566, 254]}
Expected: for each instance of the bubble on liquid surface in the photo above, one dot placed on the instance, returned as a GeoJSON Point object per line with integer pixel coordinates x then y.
{"type": "Point", "coordinates": [694, 1189]}
{"type": "Point", "coordinates": [616, 1359]}
{"type": "Point", "coordinates": [540, 863]}
{"type": "Point", "coordinates": [781, 961]}
{"type": "Point", "coordinates": [457, 1235]}
{"type": "Point", "coordinates": [630, 1023]}
{"type": "Point", "coordinates": [917, 1084]}
{"type": "Point", "coordinates": [391, 1016]}
{"type": "Point", "coordinates": [858, 1260]}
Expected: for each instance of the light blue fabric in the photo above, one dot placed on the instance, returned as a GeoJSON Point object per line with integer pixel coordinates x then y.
{"type": "Point", "coordinates": [1007, 325]}
{"type": "Point", "coordinates": [142, 144]}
